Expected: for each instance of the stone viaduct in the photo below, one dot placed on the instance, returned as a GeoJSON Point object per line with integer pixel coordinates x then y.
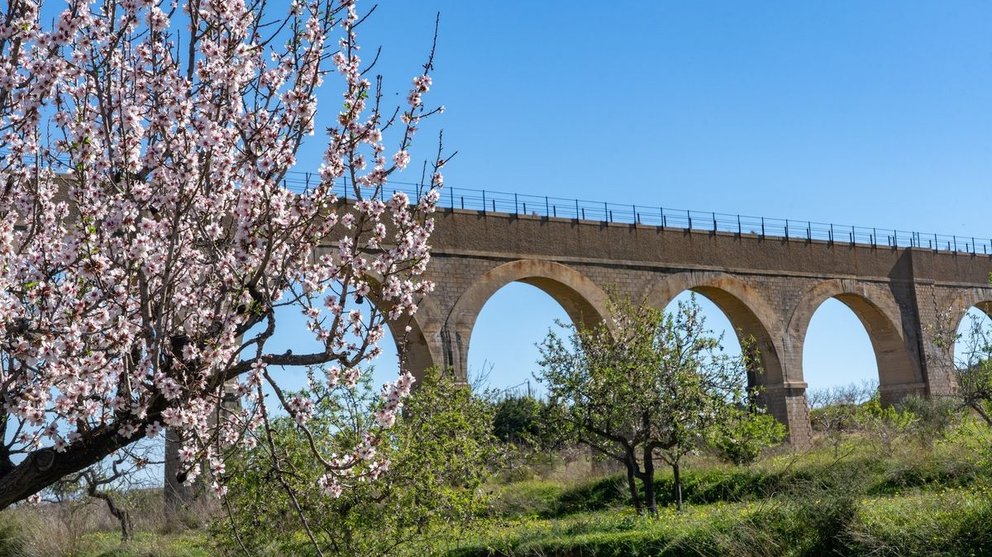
{"type": "Point", "coordinates": [769, 288]}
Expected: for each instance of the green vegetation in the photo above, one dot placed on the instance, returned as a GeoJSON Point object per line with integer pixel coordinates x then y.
{"type": "Point", "coordinates": [471, 475]}
{"type": "Point", "coordinates": [914, 501]}
{"type": "Point", "coordinates": [439, 453]}
{"type": "Point", "coordinates": [869, 493]}
{"type": "Point", "coordinates": [645, 386]}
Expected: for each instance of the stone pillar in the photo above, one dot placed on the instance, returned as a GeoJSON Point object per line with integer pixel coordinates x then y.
{"type": "Point", "coordinates": [787, 404]}
{"type": "Point", "coordinates": [454, 347]}
{"type": "Point", "coordinates": [178, 495]}
{"type": "Point", "coordinates": [935, 335]}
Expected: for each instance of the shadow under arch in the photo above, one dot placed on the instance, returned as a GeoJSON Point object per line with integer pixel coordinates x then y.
{"type": "Point", "coordinates": [585, 303]}
{"type": "Point", "coordinates": [747, 311]}
{"type": "Point", "coordinates": [899, 373]}
{"type": "Point", "coordinates": [414, 348]}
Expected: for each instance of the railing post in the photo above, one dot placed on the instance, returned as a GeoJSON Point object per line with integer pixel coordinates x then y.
{"type": "Point", "coordinates": [606, 212]}
{"type": "Point", "coordinates": [895, 238]}
{"type": "Point", "coordinates": [345, 188]}
{"type": "Point", "coordinates": [809, 231]}
{"type": "Point", "coordinates": [740, 232]}
{"type": "Point", "coordinates": [516, 211]}
{"type": "Point", "coordinates": [452, 190]}
{"type": "Point", "coordinates": [576, 209]}
{"type": "Point", "coordinates": [714, 223]}
{"type": "Point", "coordinates": [662, 210]}
{"type": "Point", "coordinates": [637, 219]}
{"type": "Point", "coordinates": [483, 202]}
{"type": "Point", "coordinates": [874, 238]}
{"type": "Point", "coordinates": [831, 234]}
{"type": "Point", "coordinates": [852, 235]}
{"type": "Point", "coordinates": [494, 205]}
{"type": "Point", "coordinates": [546, 211]}
{"type": "Point", "coordinates": [786, 229]}
{"type": "Point", "coordinates": [762, 228]}
{"type": "Point", "coordinates": [689, 215]}
{"type": "Point", "coordinates": [955, 244]}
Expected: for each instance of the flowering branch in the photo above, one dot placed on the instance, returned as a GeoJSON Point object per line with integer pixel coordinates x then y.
{"type": "Point", "coordinates": [147, 238]}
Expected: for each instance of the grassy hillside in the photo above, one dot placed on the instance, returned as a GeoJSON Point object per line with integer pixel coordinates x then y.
{"type": "Point", "coordinates": [858, 498]}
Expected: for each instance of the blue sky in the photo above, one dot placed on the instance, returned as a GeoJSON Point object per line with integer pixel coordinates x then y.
{"type": "Point", "coordinates": [874, 114]}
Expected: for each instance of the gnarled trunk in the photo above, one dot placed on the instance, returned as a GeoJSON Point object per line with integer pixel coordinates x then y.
{"type": "Point", "coordinates": [631, 463]}
{"type": "Point", "coordinates": [650, 500]}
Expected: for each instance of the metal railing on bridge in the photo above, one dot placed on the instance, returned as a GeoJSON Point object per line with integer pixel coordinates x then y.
{"type": "Point", "coordinates": [489, 201]}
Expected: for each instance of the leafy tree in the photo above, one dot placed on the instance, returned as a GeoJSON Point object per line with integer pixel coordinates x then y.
{"type": "Point", "coordinates": [743, 434]}
{"type": "Point", "coordinates": [643, 385]}
{"type": "Point", "coordinates": [148, 235]}
{"type": "Point", "coordinates": [439, 451]}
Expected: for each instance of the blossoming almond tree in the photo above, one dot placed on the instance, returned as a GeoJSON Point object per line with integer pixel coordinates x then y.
{"type": "Point", "coordinates": [146, 238]}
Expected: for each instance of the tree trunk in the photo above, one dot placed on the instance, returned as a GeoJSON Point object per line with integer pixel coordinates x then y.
{"type": "Point", "coordinates": [120, 513]}
{"type": "Point", "coordinates": [677, 485]}
{"type": "Point", "coordinates": [650, 500]}
{"type": "Point", "coordinates": [631, 465]}
{"type": "Point", "coordinates": [43, 467]}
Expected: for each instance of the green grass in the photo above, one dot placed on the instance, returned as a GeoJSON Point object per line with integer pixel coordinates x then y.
{"type": "Point", "coordinates": [872, 473]}
{"type": "Point", "coordinates": [858, 500]}
{"type": "Point", "coordinates": [948, 522]}
{"type": "Point", "coordinates": [148, 544]}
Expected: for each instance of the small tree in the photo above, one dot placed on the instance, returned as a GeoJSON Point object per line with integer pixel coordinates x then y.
{"type": "Point", "coordinates": [643, 385]}
{"type": "Point", "coordinates": [974, 370]}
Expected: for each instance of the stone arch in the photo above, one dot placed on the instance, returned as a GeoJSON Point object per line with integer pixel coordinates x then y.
{"type": "Point", "coordinates": [899, 371]}
{"type": "Point", "coordinates": [743, 305]}
{"type": "Point", "coordinates": [585, 303]}
{"type": "Point", "coordinates": [942, 358]}
{"type": "Point", "coordinates": [980, 298]}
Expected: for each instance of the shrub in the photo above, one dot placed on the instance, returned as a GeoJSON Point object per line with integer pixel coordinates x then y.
{"type": "Point", "coordinates": [740, 441]}
{"type": "Point", "coordinates": [440, 451]}
{"type": "Point", "coordinates": [517, 419]}
{"type": "Point", "coordinates": [935, 417]}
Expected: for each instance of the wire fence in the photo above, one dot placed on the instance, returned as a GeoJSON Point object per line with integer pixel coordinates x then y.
{"type": "Point", "coordinates": [489, 201]}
